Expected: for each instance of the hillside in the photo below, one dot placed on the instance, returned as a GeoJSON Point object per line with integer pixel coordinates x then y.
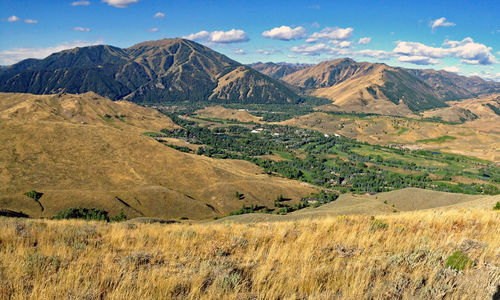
{"type": "Point", "coordinates": [366, 87]}
{"type": "Point", "coordinates": [85, 150]}
{"type": "Point", "coordinates": [390, 256]}
{"type": "Point", "coordinates": [451, 86]}
{"type": "Point", "coordinates": [168, 70]}
{"type": "Point", "coordinates": [278, 70]}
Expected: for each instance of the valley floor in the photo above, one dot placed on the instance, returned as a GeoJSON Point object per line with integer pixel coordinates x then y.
{"type": "Point", "coordinates": [402, 255]}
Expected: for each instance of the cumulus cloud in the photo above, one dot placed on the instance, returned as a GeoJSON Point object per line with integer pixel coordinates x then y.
{"type": "Point", "coordinates": [419, 49]}
{"type": "Point", "coordinates": [331, 34]}
{"type": "Point", "coordinates": [285, 33]}
{"type": "Point", "coordinates": [13, 18]}
{"type": "Point", "coordinates": [469, 51]}
{"type": "Point", "coordinates": [155, 29]}
{"type": "Point", "coordinates": [82, 29]}
{"type": "Point", "coordinates": [452, 69]}
{"type": "Point", "coordinates": [120, 3]}
{"type": "Point", "coordinates": [159, 15]}
{"type": "Point", "coordinates": [80, 3]}
{"type": "Point", "coordinates": [30, 21]}
{"type": "Point", "coordinates": [343, 44]}
{"type": "Point", "coordinates": [312, 50]}
{"type": "Point", "coordinates": [474, 53]}
{"type": "Point", "coordinates": [11, 56]}
{"type": "Point", "coordinates": [219, 37]}
{"type": "Point", "coordinates": [441, 22]}
{"type": "Point", "coordinates": [418, 60]}
{"type": "Point", "coordinates": [239, 51]}
{"type": "Point", "coordinates": [364, 41]}
{"type": "Point", "coordinates": [379, 54]}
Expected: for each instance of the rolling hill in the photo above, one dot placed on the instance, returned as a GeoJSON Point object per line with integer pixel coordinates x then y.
{"type": "Point", "coordinates": [167, 70]}
{"type": "Point", "coordinates": [86, 150]}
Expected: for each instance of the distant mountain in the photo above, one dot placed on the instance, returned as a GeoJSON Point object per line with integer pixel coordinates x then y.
{"type": "Point", "coordinates": [278, 70]}
{"type": "Point", "coordinates": [378, 88]}
{"type": "Point", "coordinates": [366, 87]}
{"type": "Point", "coordinates": [451, 86]}
{"type": "Point", "coordinates": [167, 70]}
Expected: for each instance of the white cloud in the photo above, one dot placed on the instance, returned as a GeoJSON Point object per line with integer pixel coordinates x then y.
{"type": "Point", "coordinates": [199, 36]}
{"type": "Point", "coordinates": [239, 51]}
{"type": "Point", "coordinates": [285, 33]}
{"type": "Point", "coordinates": [82, 29]}
{"type": "Point", "coordinates": [30, 21]}
{"type": "Point", "coordinates": [80, 3]}
{"type": "Point", "coordinates": [120, 3]}
{"type": "Point", "coordinates": [419, 49]}
{"type": "Point", "coordinates": [11, 56]}
{"type": "Point", "coordinates": [268, 52]}
{"type": "Point", "coordinates": [159, 15]}
{"type": "Point", "coordinates": [231, 36]}
{"type": "Point", "coordinates": [219, 37]}
{"type": "Point", "coordinates": [364, 41]}
{"type": "Point", "coordinates": [155, 29]}
{"type": "Point", "coordinates": [331, 34]}
{"type": "Point", "coordinates": [469, 51]}
{"type": "Point", "coordinates": [474, 53]}
{"type": "Point", "coordinates": [452, 69]}
{"type": "Point", "coordinates": [418, 60]}
{"type": "Point", "coordinates": [13, 18]}
{"type": "Point", "coordinates": [311, 49]}
{"type": "Point", "coordinates": [441, 22]}
{"type": "Point", "coordinates": [343, 44]}
{"type": "Point", "coordinates": [380, 54]}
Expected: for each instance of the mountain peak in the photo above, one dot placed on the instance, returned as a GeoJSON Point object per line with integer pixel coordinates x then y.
{"type": "Point", "coordinates": [166, 70]}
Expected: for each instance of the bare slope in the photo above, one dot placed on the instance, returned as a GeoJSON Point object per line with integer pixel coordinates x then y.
{"type": "Point", "coordinates": [106, 163]}
{"type": "Point", "coordinates": [366, 87]}
{"type": "Point", "coordinates": [409, 199]}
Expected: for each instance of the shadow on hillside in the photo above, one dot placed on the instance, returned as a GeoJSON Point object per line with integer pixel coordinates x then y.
{"type": "Point", "coordinates": [496, 296]}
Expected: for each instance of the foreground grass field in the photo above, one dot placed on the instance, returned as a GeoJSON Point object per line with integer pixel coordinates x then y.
{"type": "Point", "coordinates": [402, 255]}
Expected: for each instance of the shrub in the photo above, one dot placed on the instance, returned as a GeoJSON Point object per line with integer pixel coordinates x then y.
{"type": "Point", "coordinates": [376, 224]}
{"type": "Point", "coordinates": [497, 206]}
{"type": "Point", "coordinates": [119, 218]}
{"type": "Point", "coordinates": [34, 195]}
{"type": "Point", "coordinates": [83, 213]}
{"type": "Point", "coordinates": [459, 261]}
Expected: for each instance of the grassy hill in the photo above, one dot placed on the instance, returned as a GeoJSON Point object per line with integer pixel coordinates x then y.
{"type": "Point", "coordinates": [449, 254]}
{"type": "Point", "coordinates": [366, 87]}
{"type": "Point", "coordinates": [168, 70]}
{"type": "Point", "coordinates": [85, 150]}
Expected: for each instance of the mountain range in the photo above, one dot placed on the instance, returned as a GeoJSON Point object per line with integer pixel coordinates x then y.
{"type": "Point", "coordinates": [376, 87]}
{"type": "Point", "coordinates": [173, 70]}
{"type": "Point", "coordinates": [150, 72]}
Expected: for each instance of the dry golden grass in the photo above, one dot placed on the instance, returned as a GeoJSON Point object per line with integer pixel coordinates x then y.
{"type": "Point", "coordinates": [220, 112]}
{"type": "Point", "coordinates": [107, 163]}
{"type": "Point", "coordinates": [351, 257]}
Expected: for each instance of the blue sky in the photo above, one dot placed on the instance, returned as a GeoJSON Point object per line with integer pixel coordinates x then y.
{"type": "Point", "coordinates": [459, 36]}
